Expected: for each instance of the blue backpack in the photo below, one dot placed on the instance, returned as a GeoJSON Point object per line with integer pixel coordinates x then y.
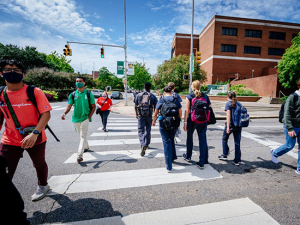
{"type": "Point", "coordinates": [240, 117]}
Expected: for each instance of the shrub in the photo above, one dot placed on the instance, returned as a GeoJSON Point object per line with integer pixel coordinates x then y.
{"type": "Point", "coordinates": [283, 99]}
{"type": "Point", "coordinates": [50, 97]}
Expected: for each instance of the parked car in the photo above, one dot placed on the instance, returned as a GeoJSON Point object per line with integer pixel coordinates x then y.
{"type": "Point", "coordinates": [96, 93]}
{"type": "Point", "coordinates": [129, 91]}
{"type": "Point", "coordinates": [116, 94]}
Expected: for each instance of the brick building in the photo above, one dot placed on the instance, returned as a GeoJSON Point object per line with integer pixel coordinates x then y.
{"type": "Point", "coordinates": [95, 74]}
{"type": "Point", "coordinates": [240, 48]}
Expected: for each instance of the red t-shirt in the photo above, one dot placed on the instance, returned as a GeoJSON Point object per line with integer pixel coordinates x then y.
{"type": "Point", "coordinates": [106, 105]}
{"type": "Point", "coordinates": [26, 113]}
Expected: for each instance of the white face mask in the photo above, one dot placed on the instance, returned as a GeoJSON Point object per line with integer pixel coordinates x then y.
{"type": "Point", "coordinates": [104, 96]}
{"type": "Point", "coordinates": [228, 99]}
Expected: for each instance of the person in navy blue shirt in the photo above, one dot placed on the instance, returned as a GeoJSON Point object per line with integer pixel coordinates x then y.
{"type": "Point", "coordinates": [230, 107]}
{"type": "Point", "coordinates": [144, 122]}
{"type": "Point", "coordinates": [168, 136]}
{"type": "Point", "coordinates": [190, 127]}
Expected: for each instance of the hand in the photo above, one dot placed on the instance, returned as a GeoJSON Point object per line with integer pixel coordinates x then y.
{"type": "Point", "coordinates": [137, 116]}
{"type": "Point", "coordinates": [227, 130]}
{"type": "Point", "coordinates": [29, 141]}
{"type": "Point", "coordinates": [185, 127]}
{"type": "Point", "coordinates": [63, 116]}
{"type": "Point", "coordinates": [153, 123]}
{"type": "Point", "coordinates": [292, 134]}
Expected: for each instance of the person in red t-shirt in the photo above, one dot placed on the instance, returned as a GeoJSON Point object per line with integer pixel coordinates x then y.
{"type": "Point", "coordinates": [104, 103]}
{"type": "Point", "coordinates": [13, 142]}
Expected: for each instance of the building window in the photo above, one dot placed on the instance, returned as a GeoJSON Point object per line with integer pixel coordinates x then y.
{"type": "Point", "coordinates": [253, 33]}
{"type": "Point", "coordinates": [252, 50]}
{"type": "Point", "coordinates": [276, 51]}
{"type": "Point", "coordinates": [294, 35]}
{"type": "Point", "coordinates": [228, 48]}
{"type": "Point", "coordinates": [277, 35]}
{"type": "Point", "coordinates": [229, 31]}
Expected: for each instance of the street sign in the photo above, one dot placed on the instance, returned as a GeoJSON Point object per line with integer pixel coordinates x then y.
{"type": "Point", "coordinates": [120, 67]}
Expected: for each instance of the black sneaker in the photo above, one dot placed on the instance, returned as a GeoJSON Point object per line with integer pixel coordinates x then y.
{"type": "Point", "coordinates": [143, 150]}
{"type": "Point", "coordinates": [200, 166]}
{"type": "Point", "coordinates": [235, 163]}
{"type": "Point", "coordinates": [223, 157]}
{"type": "Point", "coordinates": [186, 159]}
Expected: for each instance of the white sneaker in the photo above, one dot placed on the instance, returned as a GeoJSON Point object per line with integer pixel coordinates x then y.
{"type": "Point", "coordinates": [297, 171]}
{"type": "Point", "coordinates": [274, 159]}
{"type": "Point", "coordinates": [40, 193]}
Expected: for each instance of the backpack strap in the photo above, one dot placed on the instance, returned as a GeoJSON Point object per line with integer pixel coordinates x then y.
{"type": "Point", "coordinates": [31, 96]}
{"type": "Point", "coordinates": [73, 97]}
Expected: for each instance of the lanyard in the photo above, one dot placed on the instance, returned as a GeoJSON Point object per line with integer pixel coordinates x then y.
{"type": "Point", "coordinates": [12, 113]}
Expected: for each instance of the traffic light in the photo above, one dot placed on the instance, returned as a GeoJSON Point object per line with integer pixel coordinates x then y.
{"type": "Point", "coordinates": [67, 50]}
{"type": "Point", "coordinates": [102, 52]}
{"type": "Point", "coordinates": [198, 57]}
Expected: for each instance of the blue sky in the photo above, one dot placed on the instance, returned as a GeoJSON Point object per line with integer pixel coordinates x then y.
{"type": "Point", "coordinates": [151, 25]}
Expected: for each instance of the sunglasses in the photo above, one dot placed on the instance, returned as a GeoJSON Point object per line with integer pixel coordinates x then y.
{"type": "Point", "coordinates": [8, 70]}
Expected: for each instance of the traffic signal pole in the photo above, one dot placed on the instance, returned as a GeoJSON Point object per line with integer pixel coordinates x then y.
{"type": "Point", "coordinates": [192, 53]}
{"type": "Point", "coordinates": [125, 47]}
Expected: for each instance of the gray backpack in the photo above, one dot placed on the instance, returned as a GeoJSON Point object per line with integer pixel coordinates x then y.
{"type": "Point", "coordinates": [144, 107]}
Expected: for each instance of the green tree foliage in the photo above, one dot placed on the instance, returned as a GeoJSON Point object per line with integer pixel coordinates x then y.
{"type": "Point", "coordinates": [106, 78]}
{"type": "Point", "coordinates": [61, 62]}
{"type": "Point", "coordinates": [289, 65]}
{"type": "Point", "coordinates": [140, 77]}
{"type": "Point", "coordinates": [174, 69]}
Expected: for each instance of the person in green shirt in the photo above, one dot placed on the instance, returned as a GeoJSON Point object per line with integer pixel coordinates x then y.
{"type": "Point", "coordinates": [84, 108]}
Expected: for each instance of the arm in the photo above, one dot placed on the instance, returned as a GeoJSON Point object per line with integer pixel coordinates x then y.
{"type": "Point", "coordinates": [29, 140]}
{"type": "Point", "coordinates": [228, 117]}
{"type": "Point", "coordinates": [288, 109]}
{"type": "Point", "coordinates": [92, 110]}
{"type": "Point", "coordinates": [68, 108]}
{"type": "Point", "coordinates": [154, 117]}
{"type": "Point", "coordinates": [180, 113]}
{"type": "Point", "coordinates": [186, 113]}
{"type": "Point", "coordinates": [136, 112]}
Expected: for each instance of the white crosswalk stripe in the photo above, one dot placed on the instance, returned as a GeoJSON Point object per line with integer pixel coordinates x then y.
{"type": "Point", "coordinates": [76, 183]}
{"type": "Point", "coordinates": [61, 108]}
{"type": "Point", "coordinates": [127, 128]}
{"type": "Point", "coordinates": [113, 134]}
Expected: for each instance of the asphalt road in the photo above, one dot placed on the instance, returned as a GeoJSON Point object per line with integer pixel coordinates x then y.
{"type": "Point", "coordinates": [275, 188]}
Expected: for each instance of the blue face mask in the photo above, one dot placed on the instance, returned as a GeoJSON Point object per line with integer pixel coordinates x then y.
{"type": "Point", "coordinates": [13, 77]}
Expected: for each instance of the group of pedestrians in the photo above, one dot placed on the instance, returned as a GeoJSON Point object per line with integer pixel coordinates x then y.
{"type": "Point", "coordinates": [26, 112]}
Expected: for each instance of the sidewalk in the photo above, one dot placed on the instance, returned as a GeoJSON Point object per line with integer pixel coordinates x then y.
{"type": "Point", "coordinates": [256, 110]}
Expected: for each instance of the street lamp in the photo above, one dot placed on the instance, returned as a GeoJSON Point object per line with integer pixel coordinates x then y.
{"type": "Point", "coordinates": [81, 66]}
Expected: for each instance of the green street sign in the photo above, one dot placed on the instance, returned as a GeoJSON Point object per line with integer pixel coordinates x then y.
{"type": "Point", "coordinates": [120, 67]}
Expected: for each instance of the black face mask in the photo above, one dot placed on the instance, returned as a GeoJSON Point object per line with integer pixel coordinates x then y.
{"type": "Point", "coordinates": [13, 77]}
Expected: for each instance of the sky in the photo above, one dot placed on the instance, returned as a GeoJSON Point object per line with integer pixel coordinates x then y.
{"type": "Point", "coordinates": [151, 25]}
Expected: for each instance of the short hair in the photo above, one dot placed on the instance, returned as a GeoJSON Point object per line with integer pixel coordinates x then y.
{"type": "Point", "coordinates": [147, 86]}
{"type": "Point", "coordinates": [171, 84]}
{"type": "Point", "coordinates": [81, 77]}
{"type": "Point", "coordinates": [11, 62]}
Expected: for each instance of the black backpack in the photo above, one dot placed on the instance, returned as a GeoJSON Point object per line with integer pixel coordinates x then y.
{"type": "Point", "coordinates": [31, 97]}
{"type": "Point", "coordinates": [170, 115]}
{"type": "Point", "coordinates": [281, 111]}
{"type": "Point", "coordinates": [88, 96]}
{"type": "Point", "coordinates": [144, 104]}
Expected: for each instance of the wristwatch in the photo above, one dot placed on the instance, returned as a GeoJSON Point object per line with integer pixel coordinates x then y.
{"type": "Point", "coordinates": [35, 132]}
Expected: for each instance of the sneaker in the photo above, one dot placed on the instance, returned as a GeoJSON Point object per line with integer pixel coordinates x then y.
{"type": "Point", "coordinates": [85, 150]}
{"type": "Point", "coordinates": [274, 159]}
{"type": "Point", "coordinates": [297, 171]}
{"type": "Point", "coordinates": [105, 130]}
{"type": "Point", "coordinates": [40, 193]}
{"type": "Point", "coordinates": [184, 157]}
{"type": "Point", "coordinates": [200, 166]}
{"type": "Point", "coordinates": [79, 159]}
{"type": "Point", "coordinates": [235, 163]}
{"type": "Point", "coordinates": [143, 150]}
{"type": "Point", "coordinates": [223, 157]}
{"type": "Point", "coordinates": [169, 171]}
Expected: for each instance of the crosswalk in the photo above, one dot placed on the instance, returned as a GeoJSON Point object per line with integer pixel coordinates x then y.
{"type": "Point", "coordinates": [123, 144]}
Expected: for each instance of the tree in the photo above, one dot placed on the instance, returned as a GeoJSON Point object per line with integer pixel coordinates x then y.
{"type": "Point", "coordinates": [140, 77]}
{"type": "Point", "coordinates": [61, 62]}
{"type": "Point", "coordinates": [104, 79]}
{"type": "Point", "coordinates": [174, 69]}
{"type": "Point", "coordinates": [289, 65]}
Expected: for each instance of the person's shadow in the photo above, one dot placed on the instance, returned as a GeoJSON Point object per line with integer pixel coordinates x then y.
{"type": "Point", "coordinates": [78, 210]}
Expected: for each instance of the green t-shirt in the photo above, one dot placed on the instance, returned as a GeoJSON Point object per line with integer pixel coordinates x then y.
{"type": "Point", "coordinates": [81, 106]}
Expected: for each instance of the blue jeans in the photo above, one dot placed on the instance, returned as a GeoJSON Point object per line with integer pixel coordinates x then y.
{"type": "Point", "coordinates": [144, 130]}
{"type": "Point", "coordinates": [288, 146]}
{"type": "Point", "coordinates": [169, 146]}
{"type": "Point", "coordinates": [236, 131]}
{"type": "Point", "coordinates": [104, 115]}
{"type": "Point", "coordinates": [203, 148]}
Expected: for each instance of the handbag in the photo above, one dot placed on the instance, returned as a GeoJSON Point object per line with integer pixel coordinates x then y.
{"type": "Point", "coordinates": [212, 117]}
{"type": "Point", "coordinates": [98, 108]}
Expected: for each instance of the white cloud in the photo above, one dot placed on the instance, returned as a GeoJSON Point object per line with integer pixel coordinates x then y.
{"type": "Point", "coordinates": [60, 15]}
{"type": "Point", "coordinates": [111, 30]}
{"type": "Point", "coordinates": [60, 37]}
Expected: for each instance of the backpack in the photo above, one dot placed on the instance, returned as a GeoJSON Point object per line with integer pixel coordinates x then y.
{"type": "Point", "coordinates": [240, 117]}
{"type": "Point", "coordinates": [144, 104]}
{"type": "Point", "coordinates": [31, 97]}
{"type": "Point", "coordinates": [88, 96]}
{"type": "Point", "coordinates": [200, 112]}
{"type": "Point", "coordinates": [170, 115]}
{"type": "Point", "coordinates": [281, 111]}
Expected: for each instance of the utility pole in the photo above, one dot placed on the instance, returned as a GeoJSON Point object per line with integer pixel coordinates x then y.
{"type": "Point", "coordinates": [192, 53]}
{"type": "Point", "coordinates": [125, 47]}
{"type": "Point", "coordinates": [93, 70]}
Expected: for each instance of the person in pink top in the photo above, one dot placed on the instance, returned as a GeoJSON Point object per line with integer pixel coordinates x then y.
{"type": "Point", "coordinates": [14, 141]}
